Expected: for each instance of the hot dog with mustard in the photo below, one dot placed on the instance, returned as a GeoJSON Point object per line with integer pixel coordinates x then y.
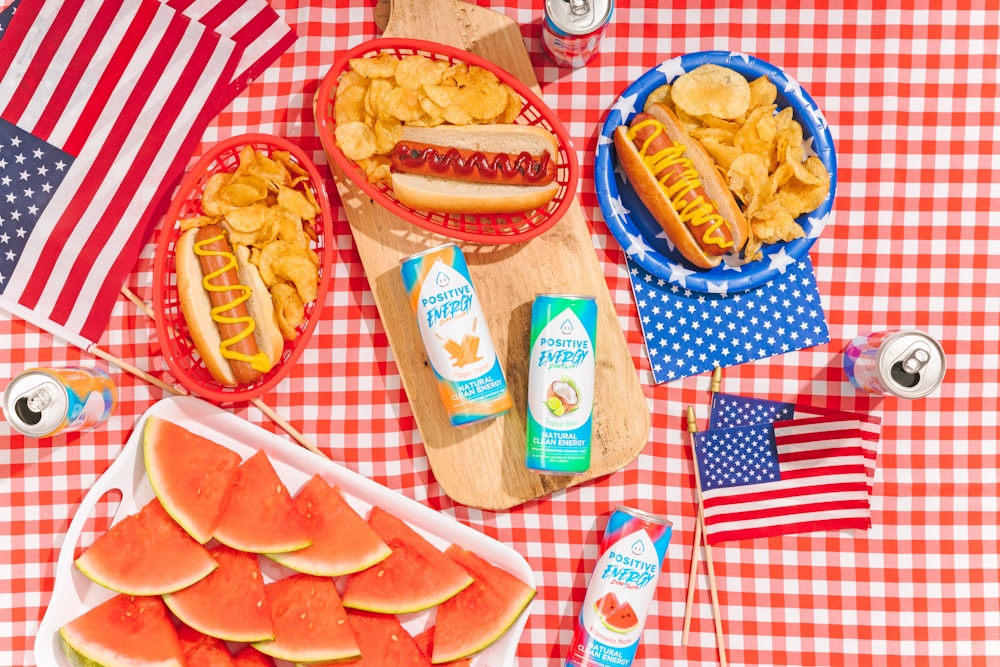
{"type": "Point", "coordinates": [227, 307]}
{"type": "Point", "coordinates": [681, 187]}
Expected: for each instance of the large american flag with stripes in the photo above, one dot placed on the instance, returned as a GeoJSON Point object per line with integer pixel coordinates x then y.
{"type": "Point", "coordinates": [102, 104]}
{"type": "Point", "coordinates": [785, 477]}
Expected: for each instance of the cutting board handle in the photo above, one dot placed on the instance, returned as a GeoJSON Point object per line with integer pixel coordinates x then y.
{"type": "Point", "coordinates": [487, 33]}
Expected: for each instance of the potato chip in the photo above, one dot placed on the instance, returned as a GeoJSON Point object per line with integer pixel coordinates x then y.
{"type": "Point", "coordinates": [711, 90]}
{"type": "Point", "coordinates": [799, 197]}
{"type": "Point", "coordinates": [212, 202]}
{"type": "Point", "coordinates": [251, 225]}
{"type": "Point", "coordinates": [349, 105]}
{"type": "Point", "coordinates": [763, 93]}
{"type": "Point", "coordinates": [195, 222]}
{"type": "Point", "coordinates": [244, 190]}
{"type": "Point", "coordinates": [356, 140]}
{"type": "Point", "coordinates": [514, 106]}
{"type": "Point", "coordinates": [296, 202]}
{"type": "Point", "coordinates": [412, 72]}
{"type": "Point", "coordinates": [298, 270]}
{"type": "Point", "coordinates": [379, 66]}
{"type": "Point", "coordinates": [388, 132]}
{"type": "Point", "coordinates": [402, 104]}
{"type": "Point", "coordinates": [659, 94]}
{"type": "Point", "coordinates": [749, 178]}
{"type": "Point", "coordinates": [288, 308]}
{"type": "Point", "coordinates": [774, 224]}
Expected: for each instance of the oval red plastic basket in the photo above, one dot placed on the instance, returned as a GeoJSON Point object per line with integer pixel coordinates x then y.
{"type": "Point", "coordinates": [487, 229]}
{"type": "Point", "coordinates": [178, 348]}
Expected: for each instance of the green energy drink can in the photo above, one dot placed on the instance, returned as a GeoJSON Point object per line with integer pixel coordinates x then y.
{"type": "Point", "coordinates": [561, 384]}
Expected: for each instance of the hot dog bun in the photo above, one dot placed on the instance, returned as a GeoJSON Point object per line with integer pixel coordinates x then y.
{"type": "Point", "coordinates": [446, 195]}
{"type": "Point", "coordinates": [658, 203]}
{"type": "Point", "coordinates": [196, 305]}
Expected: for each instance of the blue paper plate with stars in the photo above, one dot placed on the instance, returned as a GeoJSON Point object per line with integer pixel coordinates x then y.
{"type": "Point", "coordinates": [639, 233]}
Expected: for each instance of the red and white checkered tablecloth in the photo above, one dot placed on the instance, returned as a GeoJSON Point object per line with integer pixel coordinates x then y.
{"type": "Point", "coordinates": [912, 96]}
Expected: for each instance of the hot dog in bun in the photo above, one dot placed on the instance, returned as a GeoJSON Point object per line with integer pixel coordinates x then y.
{"type": "Point", "coordinates": [227, 307]}
{"type": "Point", "coordinates": [681, 187]}
{"type": "Point", "coordinates": [500, 168]}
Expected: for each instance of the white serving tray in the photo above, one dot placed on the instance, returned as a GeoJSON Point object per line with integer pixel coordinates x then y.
{"type": "Point", "coordinates": [75, 594]}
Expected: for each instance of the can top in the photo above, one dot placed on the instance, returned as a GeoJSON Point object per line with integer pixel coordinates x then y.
{"type": "Point", "coordinates": [428, 251]}
{"type": "Point", "coordinates": [913, 364]}
{"type": "Point", "coordinates": [35, 403]}
{"type": "Point", "coordinates": [645, 516]}
{"type": "Point", "coordinates": [577, 17]}
{"type": "Point", "coordinates": [585, 297]}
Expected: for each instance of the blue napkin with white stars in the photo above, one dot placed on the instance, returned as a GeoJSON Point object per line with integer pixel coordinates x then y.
{"type": "Point", "coordinates": [689, 332]}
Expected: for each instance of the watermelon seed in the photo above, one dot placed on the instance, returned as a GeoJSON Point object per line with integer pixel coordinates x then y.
{"type": "Point", "coordinates": [303, 616]}
{"type": "Point", "coordinates": [277, 489]}
{"type": "Point", "coordinates": [394, 637]}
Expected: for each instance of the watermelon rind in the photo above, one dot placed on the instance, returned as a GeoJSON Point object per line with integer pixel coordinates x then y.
{"type": "Point", "coordinates": [482, 613]}
{"type": "Point", "coordinates": [415, 576]}
{"type": "Point", "coordinates": [260, 516]}
{"type": "Point", "coordinates": [310, 623]}
{"type": "Point", "coordinates": [146, 553]}
{"type": "Point", "coordinates": [124, 631]}
{"type": "Point", "coordinates": [342, 542]}
{"type": "Point", "coordinates": [190, 474]}
{"type": "Point", "coordinates": [230, 603]}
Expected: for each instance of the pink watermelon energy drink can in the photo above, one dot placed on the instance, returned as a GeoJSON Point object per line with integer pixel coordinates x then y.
{"type": "Point", "coordinates": [621, 589]}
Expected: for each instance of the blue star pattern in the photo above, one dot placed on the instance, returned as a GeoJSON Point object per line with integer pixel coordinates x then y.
{"type": "Point", "coordinates": [30, 173]}
{"type": "Point", "coordinates": [737, 457]}
{"type": "Point", "coordinates": [688, 332]}
{"type": "Point", "coordinates": [7, 14]}
{"type": "Point", "coordinates": [730, 410]}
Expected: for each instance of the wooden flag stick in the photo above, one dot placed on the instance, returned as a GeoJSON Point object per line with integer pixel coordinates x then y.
{"type": "Point", "coordinates": [260, 404]}
{"type": "Point", "coordinates": [715, 387]}
{"type": "Point", "coordinates": [720, 639]}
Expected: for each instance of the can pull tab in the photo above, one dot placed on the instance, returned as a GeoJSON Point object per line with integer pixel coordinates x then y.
{"type": "Point", "coordinates": [906, 371]}
{"type": "Point", "coordinates": [579, 9]}
{"type": "Point", "coordinates": [30, 406]}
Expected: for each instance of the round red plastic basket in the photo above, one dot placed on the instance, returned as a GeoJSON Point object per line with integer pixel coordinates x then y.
{"type": "Point", "coordinates": [487, 229]}
{"type": "Point", "coordinates": [178, 348]}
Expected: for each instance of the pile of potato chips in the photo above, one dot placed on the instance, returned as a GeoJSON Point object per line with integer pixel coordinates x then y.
{"type": "Point", "coordinates": [268, 206]}
{"type": "Point", "coordinates": [759, 150]}
{"type": "Point", "coordinates": [378, 94]}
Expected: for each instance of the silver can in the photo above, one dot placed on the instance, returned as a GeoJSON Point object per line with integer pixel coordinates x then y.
{"type": "Point", "coordinates": [906, 364]}
{"type": "Point", "coordinates": [41, 402]}
{"type": "Point", "coordinates": [572, 29]}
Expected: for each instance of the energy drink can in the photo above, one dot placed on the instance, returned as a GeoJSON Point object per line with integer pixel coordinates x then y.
{"type": "Point", "coordinates": [906, 364]}
{"type": "Point", "coordinates": [572, 29]}
{"type": "Point", "coordinates": [621, 590]}
{"type": "Point", "coordinates": [453, 328]}
{"type": "Point", "coordinates": [561, 384]}
{"type": "Point", "coordinates": [41, 402]}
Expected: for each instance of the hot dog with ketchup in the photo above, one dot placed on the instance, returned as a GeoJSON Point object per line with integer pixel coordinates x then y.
{"type": "Point", "coordinates": [681, 187]}
{"type": "Point", "coordinates": [227, 307]}
{"type": "Point", "coordinates": [502, 168]}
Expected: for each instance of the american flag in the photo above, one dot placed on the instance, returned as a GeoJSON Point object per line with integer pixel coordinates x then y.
{"type": "Point", "coordinates": [730, 410]}
{"type": "Point", "coordinates": [102, 105]}
{"type": "Point", "coordinates": [788, 477]}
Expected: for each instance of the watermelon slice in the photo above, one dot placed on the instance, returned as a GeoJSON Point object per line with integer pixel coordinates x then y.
{"type": "Point", "coordinates": [425, 640]}
{"type": "Point", "coordinates": [124, 631]}
{"type": "Point", "coordinates": [415, 576]}
{"type": "Point", "coordinates": [146, 554]}
{"type": "Point", "coordinates": [248, 656]}
{"type": "Point", "coordinates": [230, 603]}
{"type": "Point", "coordinates": [383, 641]}
{"type": "Point", "coordinates": [606, 604]}
{"type": "Point", "coordinates": [342, 542]}
{"type": "Point", "coordinates": [260, 516]}
{"type": "Point", "coordinates": [200, 650]}
{"type": "Point", "coordinates": [622, 620]}
{"type": "Point", "coordinates": [191, 475]}
{"type": "Point", "coordinates": [310, 623]}
{"type": "Point", "coordinates": [480, 614]}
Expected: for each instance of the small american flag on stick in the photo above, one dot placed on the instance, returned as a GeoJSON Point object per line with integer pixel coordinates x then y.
{"type": "Point", "coordinates": [780, 478]}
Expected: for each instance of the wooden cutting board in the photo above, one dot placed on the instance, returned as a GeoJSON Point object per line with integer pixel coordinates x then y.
{"type": "Point", "coordinates": [483, 465]}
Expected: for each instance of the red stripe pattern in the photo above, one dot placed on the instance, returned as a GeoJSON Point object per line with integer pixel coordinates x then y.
{"type": "Point", "coordinates": [787, 477]}
{"type": "Point", "coordinates": [127, 90]}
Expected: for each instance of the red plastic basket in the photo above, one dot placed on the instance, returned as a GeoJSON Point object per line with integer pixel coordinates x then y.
{"type": "Point", "coordinates": [178, 348]}
{"type": "Point", "coordinates": [488, 229]}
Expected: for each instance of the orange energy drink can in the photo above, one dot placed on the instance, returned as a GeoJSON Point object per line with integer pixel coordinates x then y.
{"type": "Point", "coordinates": [41, 402]}
{"type": "Point", "coordinates": [453, 328]}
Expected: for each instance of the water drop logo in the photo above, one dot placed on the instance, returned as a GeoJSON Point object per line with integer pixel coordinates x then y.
{"type": "Point", "coordinates": [567, 327]}
{"type": "Point", "coordinates": [638, 548]}
{"type": "Point", "coordinates": [442, 279]}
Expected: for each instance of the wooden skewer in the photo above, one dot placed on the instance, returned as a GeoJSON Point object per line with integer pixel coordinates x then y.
{"type": "Point", "coordinates": [715, 388]}
{"type": "Point", "coordinates": [692, 426]}
{"type": "Point", "coordinates": [260, 404]}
